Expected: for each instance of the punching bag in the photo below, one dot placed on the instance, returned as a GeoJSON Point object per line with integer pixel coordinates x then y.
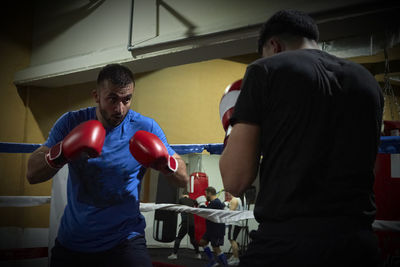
{"type": "Point", "coordinates": [198, 183]}
{"type": "Point", "coordinates": [387, 194]}
{"type": "Point", "coordinates": [165, 221]}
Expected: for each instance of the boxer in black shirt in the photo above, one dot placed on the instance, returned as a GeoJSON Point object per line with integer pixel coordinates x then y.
{"type": "Point", "coordinates": [316, 120]}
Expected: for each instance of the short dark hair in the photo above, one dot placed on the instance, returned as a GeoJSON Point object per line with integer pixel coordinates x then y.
{"type": "Point", "coordinates": [117, 74]}
{"type": "Point", "coordinates": [288, 22]}
{"type": "Point", "coordinates": [211, 190]}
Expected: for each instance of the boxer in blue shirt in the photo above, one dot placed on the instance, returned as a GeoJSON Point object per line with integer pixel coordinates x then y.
{"type": "Point", "coordinates": [102, 224]}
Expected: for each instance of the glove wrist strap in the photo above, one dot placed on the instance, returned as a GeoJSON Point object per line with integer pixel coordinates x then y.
{"type": "Point", "coordinates": [172, 164]}
{"type": "Point", "coordinates": [54, 157]}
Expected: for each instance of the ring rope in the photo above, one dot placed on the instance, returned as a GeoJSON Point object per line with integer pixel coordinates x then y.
{"type": "Point", "coordinates": [217, 216]}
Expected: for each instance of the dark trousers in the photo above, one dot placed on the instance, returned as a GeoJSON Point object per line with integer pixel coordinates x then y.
{"type": "Point", "coordinates": [183, 230]}
{"type": "Point", "coordinates": [355, 248]}
{"type": "Point", "coordinates": [130, 253]}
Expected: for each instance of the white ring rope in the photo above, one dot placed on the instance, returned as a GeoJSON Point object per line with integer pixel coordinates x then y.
{"type": "Point", "coordinates": [23, 201]}
{"type": "Point", "coordinates": [218, 216]}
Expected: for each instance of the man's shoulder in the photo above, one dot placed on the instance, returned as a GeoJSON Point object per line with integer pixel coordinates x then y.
{"type": "Point", "coordinates": [138, 117]}
{"type": "Point", "coordinates": [287, 57]}
{"type": "Point", "coordinates": [142, 120]}
{"type": "Point", "coordinates": [234, 200]}
{"type": "Point", "coordinates": [302, 60]}
{"type": "Point", "coordinates": [84, 113]}
{"type": "Point", "coordinates": [75, 117]}
{"type": "Point", "coordinates": [216, 202]}
{"type": "Point", "coordinates": [67, 122]}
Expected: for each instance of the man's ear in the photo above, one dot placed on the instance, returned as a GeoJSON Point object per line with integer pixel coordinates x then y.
{"type": "Point", "coordinates": [95, 95]}
{"type": "Point", "coordinates": [277, 45]}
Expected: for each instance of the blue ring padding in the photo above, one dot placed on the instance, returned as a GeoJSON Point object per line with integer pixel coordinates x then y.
{"type": "Point", "coordinates": [188, 149]}
{"type": "Point", "coordinates": [17, 147]}
{"type": "Point", "coordinates": [389, 145]}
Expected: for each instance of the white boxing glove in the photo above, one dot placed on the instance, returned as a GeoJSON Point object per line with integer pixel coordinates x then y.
{"type": "Point", "coordinates": [201, 201]}
{"type": "Point", "coordinates": [226, 203]}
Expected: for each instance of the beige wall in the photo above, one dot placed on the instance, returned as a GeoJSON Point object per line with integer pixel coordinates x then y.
{"type": "Point", "coordinates": [15, 118]}
{"type": "Point", "coordinates": [184, 100]}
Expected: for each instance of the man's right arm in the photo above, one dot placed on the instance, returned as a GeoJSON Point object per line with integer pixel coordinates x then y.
{"type": "Point", "coordinates": [38, 169]}
{"type": "Point", "coordinates": [233, 204]}
{"type": "Point", "coordinates": [86, 140]}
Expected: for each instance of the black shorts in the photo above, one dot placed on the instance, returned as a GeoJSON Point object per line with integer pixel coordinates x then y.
{"type": "Point", "coordinates": [215, 241]}
{"type": "Point", "coordinates": [131, 252]}
{"type": "Point", "coordinates": [358, 248]}
{"type": "Point", "coordinates": [232, 235]}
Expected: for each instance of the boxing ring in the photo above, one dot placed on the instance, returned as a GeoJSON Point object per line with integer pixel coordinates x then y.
{"type": "Point", "coordinates": [58, 200]}
{"type": "Point", "coordinates": [390, 146]}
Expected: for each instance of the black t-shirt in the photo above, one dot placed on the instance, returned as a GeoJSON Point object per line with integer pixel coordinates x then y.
{"type": "Point", "coordinates": [215, 229]}
{"type": "Point", "coordinates": [187, 217]}
{"type": "Point", "coordinates": [320, 119]}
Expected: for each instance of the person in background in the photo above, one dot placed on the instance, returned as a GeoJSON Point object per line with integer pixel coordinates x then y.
{"type": "Point", "coordinates": [186, 227]}
{"type": "Point", "coordinates": [235, 204]}
{"type": "Point", "coordinates": [215, 232]}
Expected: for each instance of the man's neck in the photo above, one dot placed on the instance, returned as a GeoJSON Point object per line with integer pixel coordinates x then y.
{"type": "Point", "coordinates": [213, 197]}
{"type": "Point", "coordinates": [303, 44]}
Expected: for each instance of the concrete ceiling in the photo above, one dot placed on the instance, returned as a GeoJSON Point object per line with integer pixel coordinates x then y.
{"type": "Point", "coordinates": [357, 31]}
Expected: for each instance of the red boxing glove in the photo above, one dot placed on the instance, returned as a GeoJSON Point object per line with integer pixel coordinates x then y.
{"type": "Point", "coordinates": [150, 151]}
{"type": "Point", "coordinates": [228, 101]}
{"type": "Point", "coordinates": [85, 139]}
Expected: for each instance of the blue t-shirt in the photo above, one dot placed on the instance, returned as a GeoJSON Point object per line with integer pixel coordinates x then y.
{"type": "Point", "coordinates": [103, 192]}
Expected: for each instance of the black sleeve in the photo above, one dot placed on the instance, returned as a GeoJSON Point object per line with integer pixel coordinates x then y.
{"type": "Point", "coordinates": [248, 105]}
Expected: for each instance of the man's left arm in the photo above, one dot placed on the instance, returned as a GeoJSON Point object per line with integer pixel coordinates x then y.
{"type": "Point", "coordinates": [241, 156]}
{"type": "Point", "coordinates": [240, 159]}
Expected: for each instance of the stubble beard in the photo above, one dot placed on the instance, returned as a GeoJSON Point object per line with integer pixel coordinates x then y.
{"type": "Point", "coordinates": [108, 119]}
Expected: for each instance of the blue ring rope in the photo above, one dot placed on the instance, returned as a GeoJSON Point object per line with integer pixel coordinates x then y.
{"type": "Point", "coordinates": [6, 147]}
{"type": "Point", "coordinates": [389, 145]}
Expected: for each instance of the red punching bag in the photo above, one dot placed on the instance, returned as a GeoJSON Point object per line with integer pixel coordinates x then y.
{"type": "Point", "coordinates": [198, 183]}
{"type": "Point", "coordinates": [387, 179]}
{"type": "Point", "coordinates": [387, 196]}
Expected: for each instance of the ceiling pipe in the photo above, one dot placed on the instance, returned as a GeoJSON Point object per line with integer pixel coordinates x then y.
{"type": "Point", "coordinates": [130, 45]}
